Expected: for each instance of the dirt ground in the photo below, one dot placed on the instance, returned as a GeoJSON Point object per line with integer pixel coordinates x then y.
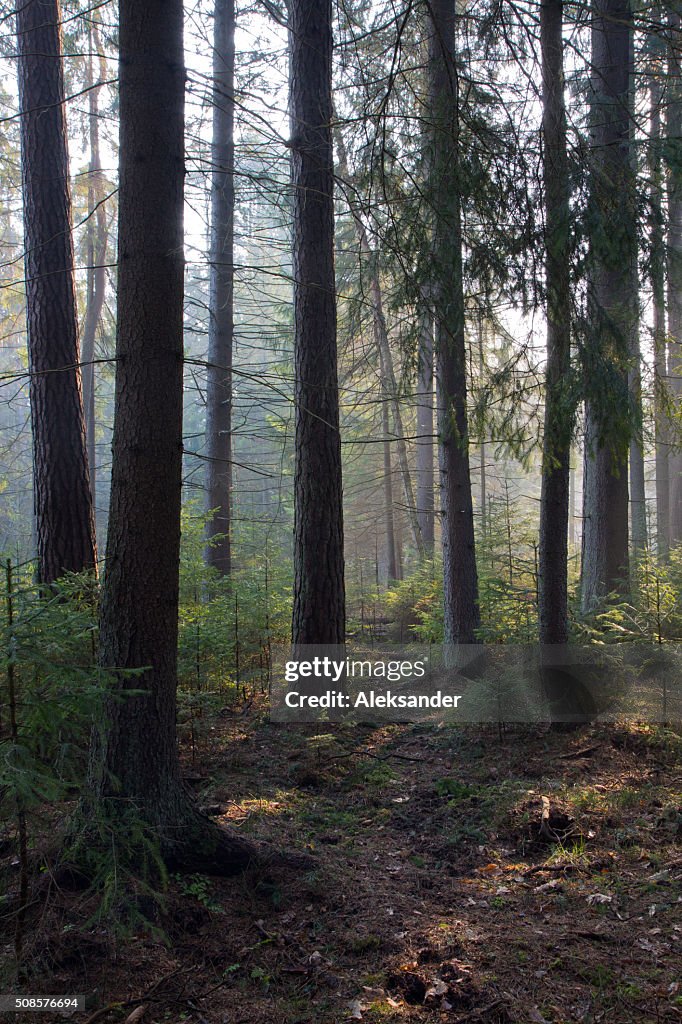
{"type": "Point", "coordinates": [438, 893]}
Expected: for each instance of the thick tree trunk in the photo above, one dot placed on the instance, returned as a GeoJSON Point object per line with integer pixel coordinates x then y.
{"type": "Point", "coordinates": [559, 411]}
{"type": "Point", "coordinates": [674, 133]}
{"type": "Point", "coordinates": [134, 760]}
{"type": "Point", "coordinates": [425, 473]}
{"type": "Point", "coordinates": [65, 527]}
{"type": "Point", "coordinates": [659, 335]}
{"type": "Point", "coordinates": [221, 299]}
{"type": "Point", "coordinates": [319, 601]}
{"type": "Point", "coordinates": [608, 431]}
{"type": "Point", "coordinates": [96, 273]}
{"type": "Point", "coordinates": [460, 578]}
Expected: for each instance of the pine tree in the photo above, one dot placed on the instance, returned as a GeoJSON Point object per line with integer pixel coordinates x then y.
{"type": "Point", "coordinates": [221, 299]}
{"type": "Point", "coordinates": [553, 550]}
{"type": "Point", "coordinates": [319, 601]}
{"type": "Point", "coordinates": [134, 758]}
{"type": "Point", "coordinates": [612, 307]}
{"type": "Point", "coordinates": [461, 606]}
{"type": "Point", "coordinates": [65, 527]}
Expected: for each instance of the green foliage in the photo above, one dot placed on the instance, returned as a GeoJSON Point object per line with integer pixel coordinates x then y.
{"type": "Point", "coordinates": [653, 612]}
{"type": "Point", "coordinates": [507, 579]}
{"type": "Point", "coordinates": [199, 887]}
{"type": "Point", "coordinates": [118, 854]}
{"type": "Point", "coordinates": [227, 625]}
{"type": "Point", "coordinates": [54, 690]}
{"type": "Point", "coordinates": [58, 689]}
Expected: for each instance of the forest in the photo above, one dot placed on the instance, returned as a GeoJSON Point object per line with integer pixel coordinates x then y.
{"type": "Point", "coordinates": [341, 511]}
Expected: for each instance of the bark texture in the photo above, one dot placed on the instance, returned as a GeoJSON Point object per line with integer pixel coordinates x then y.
{"type": "Point", "coordinates": [460, 578]}
{"type": "Point", "coordinates": [134, 758]}
{"type": "Point", "coordinates": [221, 298]}
{"type": "Point", "coordinates": [613, 307]}
{"type": "Point", "coordinates": [319, 600]}
{"type": "Point", "coordinates": [65, 529]}
{"type": "Point", "coordinates": [559, 411]}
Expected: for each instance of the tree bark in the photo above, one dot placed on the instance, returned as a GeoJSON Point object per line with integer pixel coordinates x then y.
{"type": "Point", "coordinates": [674, 133]}
{"type": "Point", "coordinates": [559, 411]}
{"type": "Point", "coordinates": [65, 529]}
{"type": "Point", "coordinates": [221, 298]}
{"type": "Point", "coordinates": [134, 760]}
{"type": "Point", "coordinates": [319, 600]}
{"type": "Point", "coordinates": [460, 578]}
{"type": "Point", "coordinates": [608, 429]}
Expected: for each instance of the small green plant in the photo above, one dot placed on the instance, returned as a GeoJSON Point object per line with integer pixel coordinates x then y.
{"type": "Point", "coordinates": [452, 788]}
{"type": "Point", "coordinates": [199, 888]}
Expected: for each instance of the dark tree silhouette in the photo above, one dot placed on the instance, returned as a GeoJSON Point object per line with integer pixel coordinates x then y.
{"type": "Point", "coordinates": [65, 527]}
{"type": "Point", "coordinates": [556, 464]}
{"type": "Point", "coordinates": [319, 602]}
{"type": "Point", "coordinates": [134, 758]}
{"type": "Point", "coordinates": [460, 578]}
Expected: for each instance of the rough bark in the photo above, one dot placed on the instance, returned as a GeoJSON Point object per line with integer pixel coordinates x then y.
{"type": "Point", "coordinates": [134, 759]}
{"type": "Point", "coordinates": [559, 412]}
{"type": "Point", "coordinates": [674, 133]}
{"type": "Point", "coordinates": [65, 530]}
{"type": "Point", "coordinates": [221, 298]}
{"type": "Point", "coordinates": [319, 600]}
{"type": "Point", "coordinates": [608, 430]}
{"type": "Point", "coordinates": [425, 432]}
{"type": "Point", "coordinates": [460, 578]}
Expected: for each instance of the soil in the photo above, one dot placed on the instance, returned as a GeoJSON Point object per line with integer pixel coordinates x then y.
{"type": "Point", "coordinates": [438, 891]}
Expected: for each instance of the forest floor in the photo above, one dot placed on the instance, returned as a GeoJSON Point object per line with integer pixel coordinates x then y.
{"type": "Point", "coordinates": [435, 896]}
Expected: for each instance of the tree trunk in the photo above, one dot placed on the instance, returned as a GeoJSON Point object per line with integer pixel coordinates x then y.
{"type": "Point", "coordinates": [97, 250]}
{"type": "Point", "coordinates": [134, 760]}
{"type": "Point", "coordinates": [460, 579]}
{"type": "Point", "coordinates": [65, 527]}
{"type": "Point", "coordinates": [319, 600]}
{"type": "Point", "coordinates": [425, 474]}
{"type": "Point", "coordinates": [608, 431]}
{"type": "Point", "coordinates": [391, 564]}
{"type": "Point", "coordinates": [662, 439]}
{"type": "Point", "coordinates": [221, 299]}
{"type": "Point", "coordinates": [638, 523]}
{"type": "Point", "coordinates": [638, 515]}
{"type": "Point", "coordinates": [674, 133]}
{"type": "Point", "coordinates": [559, 413]}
